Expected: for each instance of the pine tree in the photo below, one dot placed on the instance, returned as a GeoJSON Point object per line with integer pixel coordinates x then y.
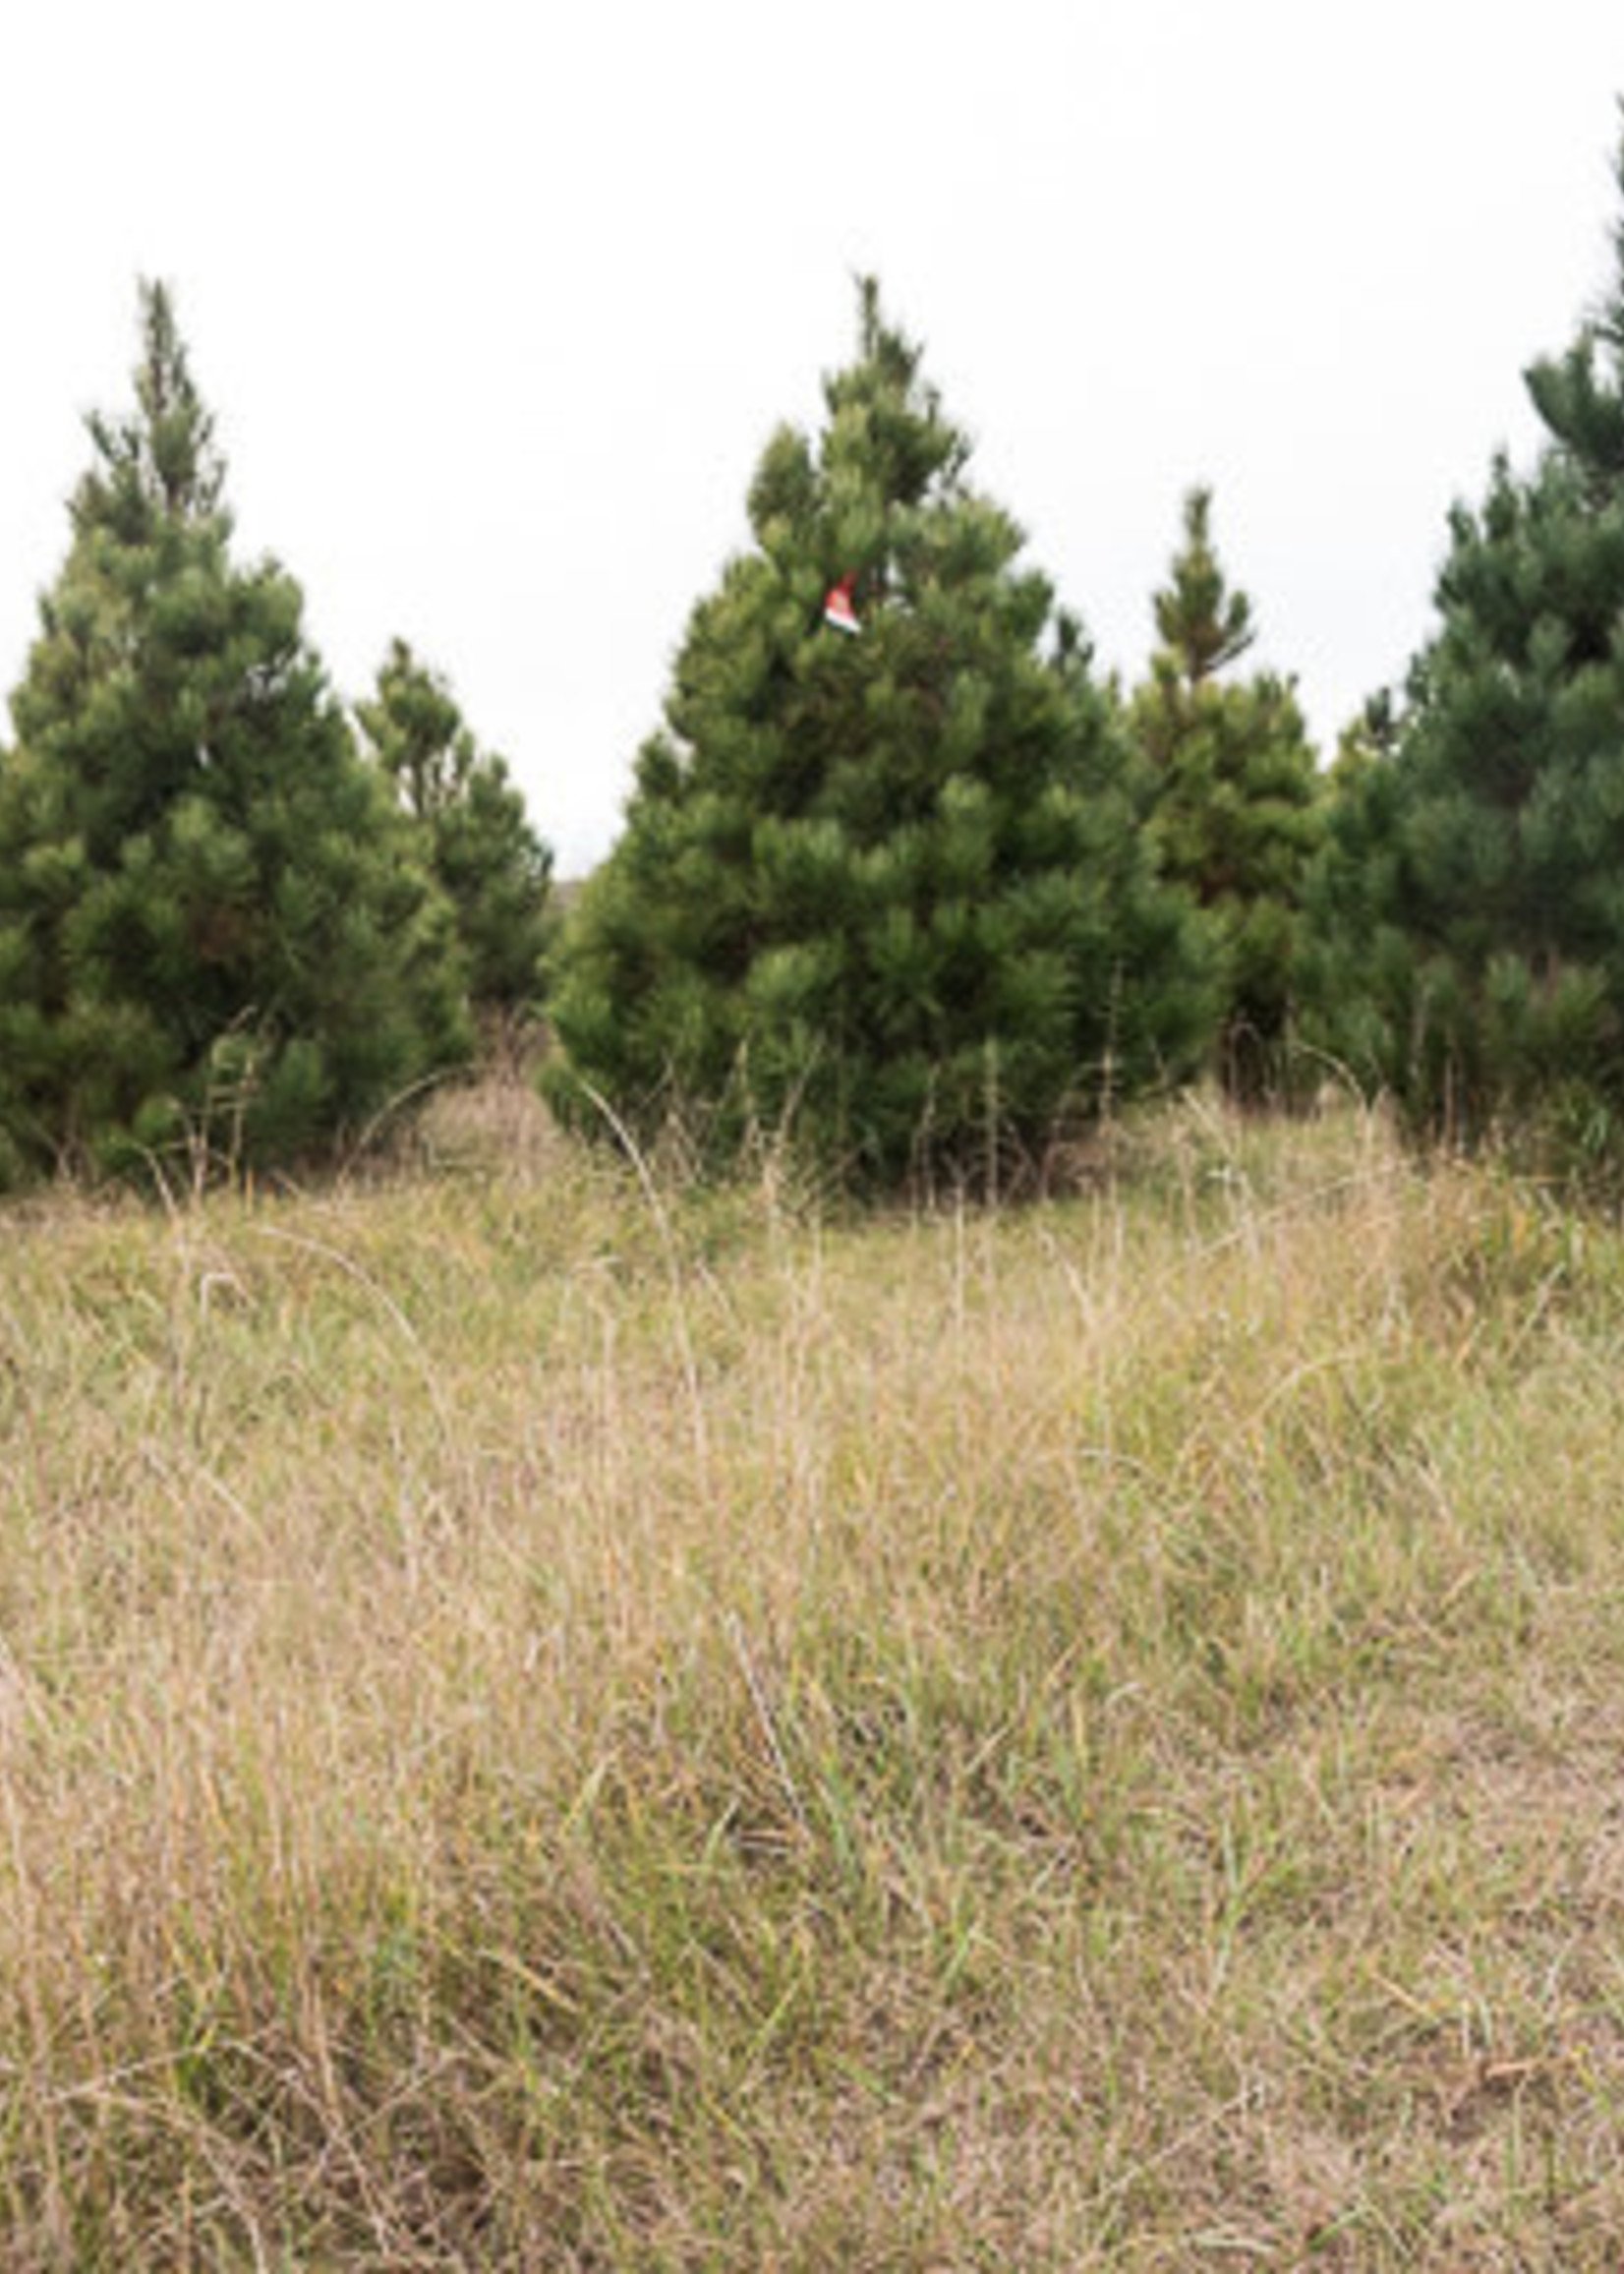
{"type": "Point", "coordinates": [213, 929]}
{"type": "Point", "coordinates": [1234, 792]}
{"type": "Point", "coordinates": [1470, 912]}
{"type": "Point", "coordinates": [887, 888]}
{"type": "Point", "coordinates": [480, 846]}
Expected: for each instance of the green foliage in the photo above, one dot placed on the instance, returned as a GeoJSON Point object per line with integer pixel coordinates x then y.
{"type": "Point", "coordinates": [888, 889]}
{"type": "Point", "coordinates": [213, 929]}
{"type": "Point", "coordinates": [1469, 949]}
{"type": "Point", "coordinates": [1204, 625]}
{"type": "Point", "coordinates": [480, 846]}
{"type": "Point", "coordinates": [1235, 799]}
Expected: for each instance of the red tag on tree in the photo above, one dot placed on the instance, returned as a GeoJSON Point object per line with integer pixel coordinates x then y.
{"type": "Point", "coordinates": [838, 608]}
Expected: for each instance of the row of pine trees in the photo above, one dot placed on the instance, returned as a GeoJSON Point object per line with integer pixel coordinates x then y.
{"type": "Point", "coordinates": [918, 898]}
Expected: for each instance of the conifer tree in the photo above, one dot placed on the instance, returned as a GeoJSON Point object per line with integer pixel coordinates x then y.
{"type": "Point", "coordinates": [1234, 797]}
{"type": "Point", "coordinates": [212, 926]}
{"type": "Point", "coordinates": [1469, 908]}
{"type": "Point", "coordinates": [480, 846]}
{"type": "Point", "coordinates": [885, 886]}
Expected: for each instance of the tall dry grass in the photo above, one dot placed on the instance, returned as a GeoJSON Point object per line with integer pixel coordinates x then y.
{"type": "Point", "coordinates": [548, 1722]}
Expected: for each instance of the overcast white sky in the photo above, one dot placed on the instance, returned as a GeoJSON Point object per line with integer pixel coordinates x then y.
{"type": "Point", "coordinates": [497, 306]}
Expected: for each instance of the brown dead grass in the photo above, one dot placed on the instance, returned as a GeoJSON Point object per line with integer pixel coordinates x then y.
{"type": "Point", "coordinates": [551, 1721]}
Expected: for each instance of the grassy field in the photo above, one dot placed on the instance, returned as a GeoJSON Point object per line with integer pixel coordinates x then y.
{"type": "Point", "coordinates": [549, 1722]}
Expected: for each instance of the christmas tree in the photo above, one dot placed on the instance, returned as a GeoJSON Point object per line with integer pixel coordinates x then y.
{"type": "Point", "coordinates": [881, 881]}
{"type": "Point", "coordinates": [1469, 948]}
{"type": "Point", "coordinates": [1234, 797]}
{"type": "Point", "coordinates": [214, 930]}
{"type": "Point", "coordinates": [476, 837]}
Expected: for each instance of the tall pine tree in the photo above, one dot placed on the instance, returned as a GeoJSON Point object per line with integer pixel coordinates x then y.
{"type": "Point", "coordinates": [1470, 909]}
{"type": "Point", "coordinates": [887, 886]}
{"type": "Point", "coordinates": [213, 927]}
{"type": "Point", "coordinates": [1235, 798]}
{"type": "Point", "coordinates": [480, 846]}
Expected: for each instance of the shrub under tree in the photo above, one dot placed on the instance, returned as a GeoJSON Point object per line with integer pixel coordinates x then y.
{"type": "Point", "coordinates": [214, 928]}
{"type": "Point", "coordinates": [885, 889]}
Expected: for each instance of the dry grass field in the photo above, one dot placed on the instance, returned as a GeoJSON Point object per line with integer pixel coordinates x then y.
{"type": "Point", "coordinates": [552, 1722]}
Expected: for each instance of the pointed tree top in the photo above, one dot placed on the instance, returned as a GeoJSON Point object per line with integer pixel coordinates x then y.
{"type": "Point", "coordinates": [868, 319]}
{"type": "Point", "coordinates": [882, 418]}
{"type": "Point", "coordinates": [163, 456]}
{"type": "Point", "coordinates": [1201, 623]}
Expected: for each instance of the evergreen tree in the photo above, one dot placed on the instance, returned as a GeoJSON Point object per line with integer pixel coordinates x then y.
{"type": "Point", "coordinates": [1234, 797]}
{"type": "Point", "coordinates": [481, 847]}
{"type": "Point", "coordinates": [1470, 909]}
{"type": "Point", "coordinates": [887, 887]}
{"type": "Point", "coordinates": [212, 925]}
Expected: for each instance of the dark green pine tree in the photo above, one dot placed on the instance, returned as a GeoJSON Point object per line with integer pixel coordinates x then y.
{"type": "Point", "coordinates": [1235, 799]}
{"type": "Point", "coordinates": [214, 929]}
{"type": "Point", "coordinates": [1469, 914]}
{"type": "Point", "coordinates": [483, 854]}
{"type": "Point", "coordinates": [886, 888]}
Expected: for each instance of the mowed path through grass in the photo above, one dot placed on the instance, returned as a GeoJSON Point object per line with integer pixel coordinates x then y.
{"type": "Point", "coordinates": [546, 1722]}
